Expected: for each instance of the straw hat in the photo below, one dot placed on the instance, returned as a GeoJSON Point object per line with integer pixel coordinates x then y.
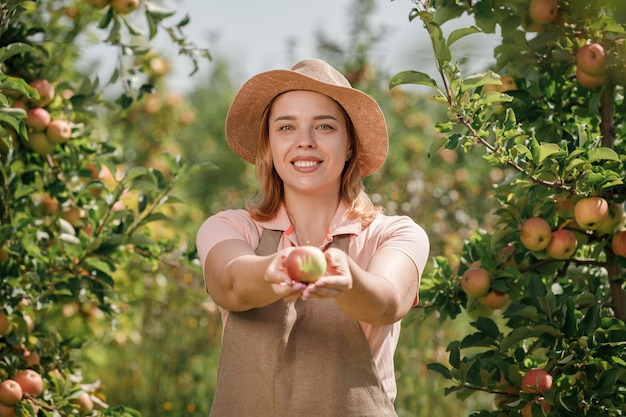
{"type": "Point", "coordinates": [243, 122]}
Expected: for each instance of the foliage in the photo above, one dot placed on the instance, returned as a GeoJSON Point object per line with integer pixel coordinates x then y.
{"type": "Point", "coordinates": [73, 212]}
{"type": "Point", "coordinates": [559, 144]}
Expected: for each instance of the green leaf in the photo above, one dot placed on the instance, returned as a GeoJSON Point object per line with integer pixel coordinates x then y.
{"type": "Point", "coordinates": [606, 154]}
{"type": "Point", "coordinates": [547, 150]}
{"type": "Point", "coordinates": [13, 49]}
{"type": "Point", "coordinates": [412, 77]}
{"type": "Point", "coordinates": [591, 321]}
{"type": "Point", "coordinates": [457, 34]}
{"type": "Point", "coordinates": [440, 369]}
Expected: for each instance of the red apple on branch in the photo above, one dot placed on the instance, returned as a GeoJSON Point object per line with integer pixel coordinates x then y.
{"type": "Point", "coordinates": [83, 402]}
{"type": "Point", "coordinates": [592, 60]}
{"type": "Point", "coordinates": [563, 244]}
{"type": "Point", "coordinates": [537, 381]}
{"type": "Point", "coordinates": [590, 212]}
{"type": "Point", "coordinates": [46, 92]}
{"type": "Point", "coordinates": [618, 243]}
{"type": "Point", "coordinates": [37, 119]}
{"type": "Point", "coordinates": [495, 299]}
{"type": "Point", "coordinates": [30, 381]}
{"type": "Point", "coordinates": [306, 264]}
{"type": "Point", "coordinates": [536, 234]}
{"type": "Point", "coordinates": [543, 11]}
{"type": "Point", "coordinates": [475, 282]}
{"type": "Point", "coordinates": [10, 392]}
{"type": "Point", "coordinates": [590, 82]}
{"type": "Point", "coordinates": [59, 131]}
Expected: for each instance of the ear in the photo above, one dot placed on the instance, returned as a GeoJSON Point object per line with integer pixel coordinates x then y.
{"type": "Point", "coordinates": [349, 155]}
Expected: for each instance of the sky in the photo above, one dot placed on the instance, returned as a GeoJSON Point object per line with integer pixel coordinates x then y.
{"type": "Point", "coordinates": [253, 35]}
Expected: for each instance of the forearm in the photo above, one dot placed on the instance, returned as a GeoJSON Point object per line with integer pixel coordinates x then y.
{"type": "Point", "coordinates": [245, 277]}
{"type": "Point", "coordinates": [373, 298]}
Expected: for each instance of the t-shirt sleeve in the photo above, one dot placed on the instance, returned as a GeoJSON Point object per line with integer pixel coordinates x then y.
{"type": "Point", "coordinates": [410, 238]}
{"type": "Point", "coordinates": [222, 226]}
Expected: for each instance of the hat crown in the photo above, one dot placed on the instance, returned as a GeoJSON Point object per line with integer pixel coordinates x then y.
{"type": "Point", "coordinates": [321, 71]}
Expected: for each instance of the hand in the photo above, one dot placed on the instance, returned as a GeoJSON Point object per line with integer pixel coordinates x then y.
{"type": "Point", "coordinates": [276, 275]}
{"type": "Point", "coordinates": [337, 279]}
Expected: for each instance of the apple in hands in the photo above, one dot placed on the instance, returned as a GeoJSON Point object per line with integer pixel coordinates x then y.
{"type": "Point", "coordinates": [306, 264]}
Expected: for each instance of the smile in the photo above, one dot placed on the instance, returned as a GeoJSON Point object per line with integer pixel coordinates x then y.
{"type": "Point", "coordinates": [305, 164]}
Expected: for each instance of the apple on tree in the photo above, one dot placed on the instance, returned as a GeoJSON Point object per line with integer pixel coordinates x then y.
{"type": "Point", "coordinates": [592, 60]}
{"type": "Point", "coordinates": [124, 6]}
{"type": "Point", "coordinates": [475, 282]}
{"type": "Point", "coordinates": [614, 219]}
{"type": "Point", "coordinates": [37, 119]}
{"type": "Point", "coordinates": [495, 299]}
{"type": "Point", "coordinates": [83, 402]}
{"type": "Point", "coordinates": [45, 90]}
{"type": "Point", "coordinates": [563, 244]}
{"type": "Point", "coordinates": [5, 325]}
{"type": "Point", "coordinates": [543, 11]}
{"type": "Point", "coordinates": [59, 131]}
{"type": "Point", "coordinates": [536, 233]}
{"type": "Point", "coordinates": [618, 243]}
{"type": "Point", "coordinates": [536, 381]}
{"type": "Point", "coordinates": [30, 381]}
{"type": "Point", "coordinates": [590, 212]}
{"type": "Point", "coordinates": [10, 392]}
{"type": "Point", "coordinates": [306, 264]}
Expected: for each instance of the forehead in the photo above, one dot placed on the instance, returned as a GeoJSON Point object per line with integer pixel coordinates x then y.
{"type": "Point", "coordinates": [310, 100]}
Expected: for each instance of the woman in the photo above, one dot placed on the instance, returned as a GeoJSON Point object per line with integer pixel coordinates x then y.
{"type": "Point", "coordinates": [325, 348]}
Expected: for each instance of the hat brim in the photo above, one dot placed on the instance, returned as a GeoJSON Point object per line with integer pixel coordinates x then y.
{"type": "Point", "coordinates": [243, 122]}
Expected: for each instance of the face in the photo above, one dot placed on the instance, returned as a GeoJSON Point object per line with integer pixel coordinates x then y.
{"type": "Point", "coordinates": [308, 137]}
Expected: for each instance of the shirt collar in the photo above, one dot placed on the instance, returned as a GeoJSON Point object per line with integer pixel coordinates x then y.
{"type": "Point", "coordinates": [340, 225]}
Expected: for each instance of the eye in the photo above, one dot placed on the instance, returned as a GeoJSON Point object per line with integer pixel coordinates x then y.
{"type": "Point", "coordinates": [325, 127]}
{"type": "Point", "coordinates": [285, 128]}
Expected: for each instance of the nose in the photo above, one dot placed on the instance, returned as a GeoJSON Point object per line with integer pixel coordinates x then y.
{"type": "Point", "coordinates": [306, 138]}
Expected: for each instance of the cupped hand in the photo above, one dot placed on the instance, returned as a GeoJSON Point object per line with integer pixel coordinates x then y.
{"type": "Point", "coordinates": [276, 275]}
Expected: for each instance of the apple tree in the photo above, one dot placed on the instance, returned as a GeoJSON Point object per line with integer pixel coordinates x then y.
{"type": "Point", "coordinates": [73, 210]}
{"type": "Point", "coordinates": [548, 331]}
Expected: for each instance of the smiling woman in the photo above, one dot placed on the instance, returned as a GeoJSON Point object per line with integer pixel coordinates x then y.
{"type": "Point", "coordinates": [312, 138]}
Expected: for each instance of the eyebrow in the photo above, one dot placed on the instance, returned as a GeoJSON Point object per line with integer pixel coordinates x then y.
{"type": "Point", "coordinates": [319, 117]}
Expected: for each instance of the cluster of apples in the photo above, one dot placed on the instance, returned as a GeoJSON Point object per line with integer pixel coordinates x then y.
{"type": "Point", "coordinates": [44, 132]}
{"type": "Point", "coordinates": [590, 214]}
{"type": "Point", "coordinates": [120, 6]}
{"type": "Point", "coordinates": [476, 284]}
{"type": "Point", "coordinates": [27, 383]}
{"type": "Point", "coordinates": [591, 66]}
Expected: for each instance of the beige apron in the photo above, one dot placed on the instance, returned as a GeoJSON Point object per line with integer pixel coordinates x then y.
{"type": "Point", "coordinates": [297, 359]}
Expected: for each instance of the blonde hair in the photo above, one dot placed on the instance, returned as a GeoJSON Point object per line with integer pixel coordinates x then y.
{"type": "Point", "coordinates": [266, 203]}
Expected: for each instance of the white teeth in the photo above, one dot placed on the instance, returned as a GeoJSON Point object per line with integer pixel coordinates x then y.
{"type": "Point", "coordinates": [304, 164]}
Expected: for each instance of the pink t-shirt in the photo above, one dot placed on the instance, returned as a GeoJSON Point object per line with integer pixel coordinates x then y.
{"type": "Point", "coordinates": [398, 232]}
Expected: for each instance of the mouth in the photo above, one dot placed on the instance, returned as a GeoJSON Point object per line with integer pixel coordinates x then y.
{"type": "Point", "coordinates": [306, 164]}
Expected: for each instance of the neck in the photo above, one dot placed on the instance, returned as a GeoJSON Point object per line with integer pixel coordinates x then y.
{"type": "Point", "coordinates": [311, 217]}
